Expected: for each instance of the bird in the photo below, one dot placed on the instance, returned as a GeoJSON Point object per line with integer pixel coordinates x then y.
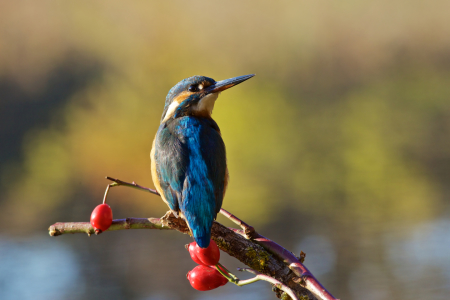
{"type": "Point", "coordinates": [188, 157]}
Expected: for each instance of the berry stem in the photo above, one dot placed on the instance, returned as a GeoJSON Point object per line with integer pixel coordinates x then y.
{"type": "Point", "coordinates": [106, 193]}
{"type": "Point", "coordinates": [227, 274]}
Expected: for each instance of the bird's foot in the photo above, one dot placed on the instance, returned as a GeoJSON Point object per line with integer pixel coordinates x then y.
{"type": "Point", "coordinates": [165, 220]}
{"type": "Point", "coordinates": [170, 219]}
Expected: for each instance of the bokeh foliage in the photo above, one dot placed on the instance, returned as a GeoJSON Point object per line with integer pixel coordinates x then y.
{"type": "Point", "coordinates": [347, 120]}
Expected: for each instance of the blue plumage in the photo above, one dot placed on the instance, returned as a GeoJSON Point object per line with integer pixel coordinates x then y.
{"type": "Point", "coordinates": [188, 156]}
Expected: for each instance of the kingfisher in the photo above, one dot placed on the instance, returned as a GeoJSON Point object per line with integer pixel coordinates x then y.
{"type": "Point", "coordinates": [188, 159]}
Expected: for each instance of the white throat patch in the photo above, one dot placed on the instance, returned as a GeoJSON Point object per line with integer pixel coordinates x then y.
{"type": "Point", "coordinates": [206, 104]}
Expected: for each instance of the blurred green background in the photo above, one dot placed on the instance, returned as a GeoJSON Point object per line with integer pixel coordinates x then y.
{"type": "Point", "coordinates": [340, 146]}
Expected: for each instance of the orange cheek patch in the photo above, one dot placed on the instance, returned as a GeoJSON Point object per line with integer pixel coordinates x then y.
{"type": "Point", "coordinates": [182, 96]}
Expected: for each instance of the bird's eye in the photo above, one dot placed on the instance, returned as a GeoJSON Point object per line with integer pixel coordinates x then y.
{"type": "Point", "coordinates": [193, 88]}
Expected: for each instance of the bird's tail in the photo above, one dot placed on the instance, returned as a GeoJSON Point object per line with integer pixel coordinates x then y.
{"type": "Point", "coordinates": [199, 209]}
{"type": "Point", "coordinates": [200, 232]}
{"type": "Point", "coordinates": [202, 238]}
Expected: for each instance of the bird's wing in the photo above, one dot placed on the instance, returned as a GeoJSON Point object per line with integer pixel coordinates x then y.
{"type": "Point", "coordinates": [191, 163]}
{"type": "Point", "coordinates": [171, 157]}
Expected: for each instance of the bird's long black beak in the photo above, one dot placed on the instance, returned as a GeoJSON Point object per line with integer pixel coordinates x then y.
{"type": "Point", "coordinates": [227, 83]}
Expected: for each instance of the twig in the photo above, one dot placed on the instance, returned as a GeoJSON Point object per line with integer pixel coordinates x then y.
{"type": "Point", "coordinates": [118, 182]}
{"type": "Point", "coordinates": [249, 231]}
{"type": "Point", "coordinates": [233, 279]}
{"type": "Point", "coordinates": [273, 281]}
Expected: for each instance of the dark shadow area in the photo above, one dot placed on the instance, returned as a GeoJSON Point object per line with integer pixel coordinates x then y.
{"type": "Point", "coordinates": [21, 111]}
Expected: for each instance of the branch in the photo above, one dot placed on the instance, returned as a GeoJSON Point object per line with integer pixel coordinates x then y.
{"type": "Point", "coordinates": [260, 253]}
{"type": "Point", "coordinates": [120, 224]}
{"type": "Point", "coordinates": [228, 241]}
{"type": "Point", "coordinates": [305, 277]}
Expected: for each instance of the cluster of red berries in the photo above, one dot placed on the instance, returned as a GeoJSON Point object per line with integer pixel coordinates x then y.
{"type": "Point", "coordinates": [101, 217]}
{"type": "Point", "coordinates": [205, 276]}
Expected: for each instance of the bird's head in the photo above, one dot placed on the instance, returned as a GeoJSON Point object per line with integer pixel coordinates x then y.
{"type": "Point", "coordinates": [196, 95]}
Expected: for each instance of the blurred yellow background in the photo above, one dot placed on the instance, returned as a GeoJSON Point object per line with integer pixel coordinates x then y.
{"type": "Point", "coordinates": [340, 146]}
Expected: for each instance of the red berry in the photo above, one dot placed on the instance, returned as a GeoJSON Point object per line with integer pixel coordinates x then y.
{"type": "Point", "coordinates": [205, 278]}
{"type": "Point", "coordinates": [194, 257]}
{"type": "Point", "coordinates": [209, 255]}
{"type": "Point", "coordinates": [101, 217]}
